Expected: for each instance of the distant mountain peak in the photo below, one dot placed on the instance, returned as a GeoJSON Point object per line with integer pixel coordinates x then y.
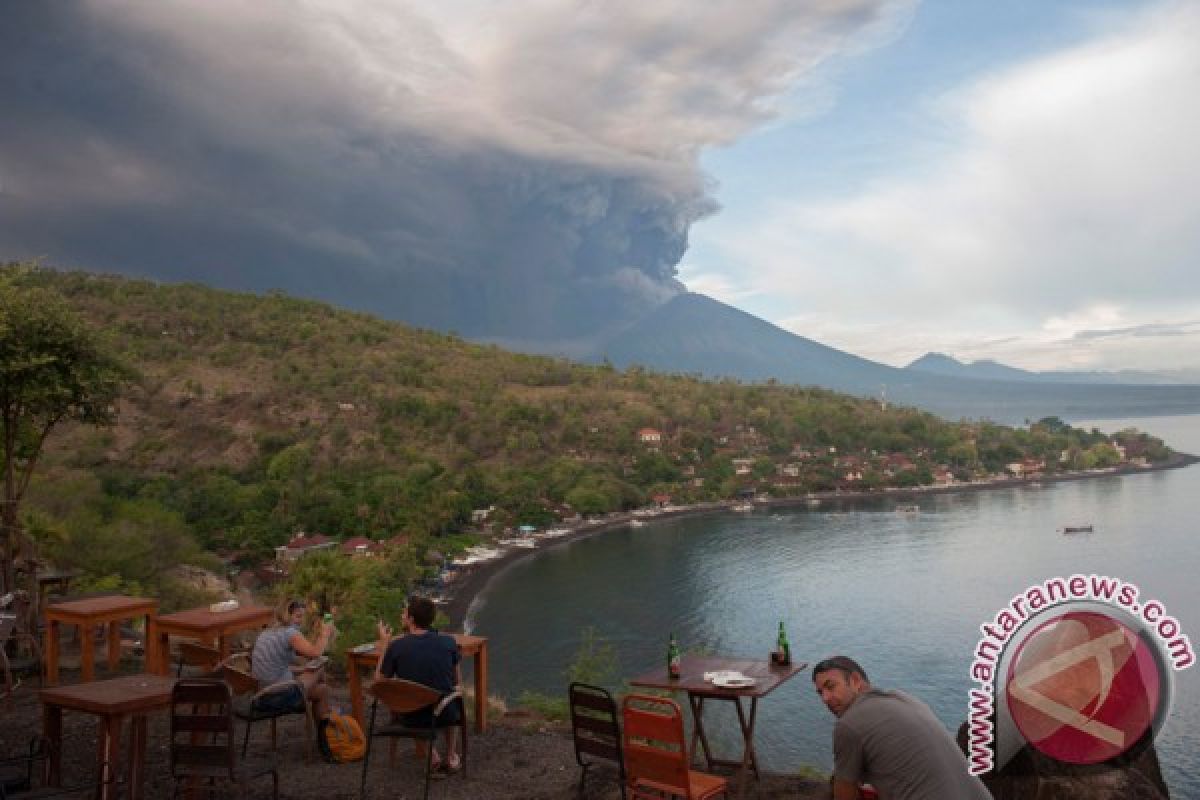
{"type": "Point", "coordinates": [932, 362]}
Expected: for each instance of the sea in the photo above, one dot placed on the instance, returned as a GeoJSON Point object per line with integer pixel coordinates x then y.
{"type": "Point", "coordinates": [903, 593]}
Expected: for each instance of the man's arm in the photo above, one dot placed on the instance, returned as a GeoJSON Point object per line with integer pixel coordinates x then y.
{"type": "Point", "coordinates": [848, 762]}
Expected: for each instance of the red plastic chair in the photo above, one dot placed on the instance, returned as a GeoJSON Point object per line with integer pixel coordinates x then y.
{"type": "Point", "coordinates": [656, 756]}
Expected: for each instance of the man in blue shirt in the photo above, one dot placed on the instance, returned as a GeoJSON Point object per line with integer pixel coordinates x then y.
{"type": "Point", "coordinates": [426, 657]}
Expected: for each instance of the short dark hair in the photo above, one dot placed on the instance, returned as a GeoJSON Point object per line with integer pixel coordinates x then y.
{"type": "Point", "coordinates": [295, 604]}
{"type": "Point", "coordinates": [843, 664]}
{"type": "Point", "coordinates": [421, 611]}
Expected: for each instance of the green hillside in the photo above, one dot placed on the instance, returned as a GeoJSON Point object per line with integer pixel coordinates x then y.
{"type": "Point", "coordinates": [253, 417]}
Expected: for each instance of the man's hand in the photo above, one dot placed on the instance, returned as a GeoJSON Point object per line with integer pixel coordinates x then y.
{"type": "Point", "coordinates": [844, 790]}
{"type": "Point", "coordinates": [384, 631]}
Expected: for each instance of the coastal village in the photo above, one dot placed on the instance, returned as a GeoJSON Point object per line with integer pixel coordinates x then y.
{"type": "Point", "coordinates": [807, 475]}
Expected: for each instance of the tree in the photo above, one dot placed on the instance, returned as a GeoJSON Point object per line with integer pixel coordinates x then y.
{"type": "Point", "coordinates": [53, 369]}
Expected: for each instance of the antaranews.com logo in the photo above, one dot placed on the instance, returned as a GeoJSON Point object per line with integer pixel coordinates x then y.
{"type": "Point", "coordinates": [1078, 667]}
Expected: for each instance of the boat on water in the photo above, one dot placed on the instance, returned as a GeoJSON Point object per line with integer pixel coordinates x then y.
{"type": "Point", "coordinates": [1085, 528]}
{"type": "Point", "coordinates": [742, 507]}
{"type": "Point", "coordinates": [908, 508]}
{"type": "Point", "coordinates": [813, 502]}
{"type": "Point", "coordinates": [636, 523]}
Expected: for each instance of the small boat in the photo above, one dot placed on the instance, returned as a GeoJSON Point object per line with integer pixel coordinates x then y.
{"type": "Point", "coordinates": [636, 523]}
{"type": "Point", "coordinates": [742, 507]}
{"type": "Point", "coordinates": [813, 502]}
{"type": "Point", "coordinates": [1077, 528]}
{"type": "Point", "coordinates": [910, 508]}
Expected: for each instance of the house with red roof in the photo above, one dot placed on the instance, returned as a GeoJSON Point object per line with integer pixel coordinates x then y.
{"type": "Point", "coordinates": [649, 436]}
{"type": "Point", "coordinates": [301, 545]}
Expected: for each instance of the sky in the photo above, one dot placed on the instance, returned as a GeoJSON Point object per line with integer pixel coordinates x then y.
{"type": "Point", "coordinates": [1016, 180]}
{"type": "Point", "coordinates": [1011, 181]}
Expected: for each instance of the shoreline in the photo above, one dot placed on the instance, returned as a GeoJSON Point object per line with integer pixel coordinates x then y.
{"type": "Point", "coordinates": [471, 587]}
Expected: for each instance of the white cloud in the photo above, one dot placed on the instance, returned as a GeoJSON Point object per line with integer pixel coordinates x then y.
{"type": "Point", "coordinates": [1070, 202]}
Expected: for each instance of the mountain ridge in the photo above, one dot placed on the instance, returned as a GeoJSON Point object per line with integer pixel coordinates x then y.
{"type": "Point", "coordinates": [696, 334]}
{"type": "Point", "coordinates": [990, 369]}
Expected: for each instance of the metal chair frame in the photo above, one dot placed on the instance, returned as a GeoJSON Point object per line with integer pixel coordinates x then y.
{"type": "Point", "coordinates": [595, 729]}
{"type": "Point", "coordinates": [242, 683]}
{"type": "Point", "coordinates": [404, 697]}
{"type": "Point", "coordinates": [17, 786]}
{"type": "Point", "coordinates": [9, 632]}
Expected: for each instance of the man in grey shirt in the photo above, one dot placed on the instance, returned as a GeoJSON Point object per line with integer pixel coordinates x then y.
{"type": "Point", "coordinates": [889, 740]}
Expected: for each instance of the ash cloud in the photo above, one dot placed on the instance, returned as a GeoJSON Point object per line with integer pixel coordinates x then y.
{"type": "Point", "coordinates": [520, 172]}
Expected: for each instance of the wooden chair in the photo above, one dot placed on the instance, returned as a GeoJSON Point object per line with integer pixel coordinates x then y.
{"type": "Point", "coordinates": [202, 747]}
{"type": "Point", "coordinates": [595, 729]}
{"type": "Point", "coordinates": [405, 697]}
{"type": "Point", "coordinates": [200, 660]}
{"type": "Point", "coordinates": [656, 756]}
{"type": "Point", "coordinates": [246, 688]}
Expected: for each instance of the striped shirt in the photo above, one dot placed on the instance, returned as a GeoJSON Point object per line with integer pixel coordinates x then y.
{"type": "Point", "coordinates": [273, 655]}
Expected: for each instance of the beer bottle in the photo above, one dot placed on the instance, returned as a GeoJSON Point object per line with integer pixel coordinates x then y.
{"type": "Point", "coordinates": [673, 665]}
{"type": "Point", "coordinates": [781, 644]}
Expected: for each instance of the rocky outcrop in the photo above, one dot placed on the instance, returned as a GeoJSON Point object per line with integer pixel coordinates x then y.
{"type": "Point", "coordinates": [205, 580]}
{"type": "Point", "coordinates": [1032, 775]}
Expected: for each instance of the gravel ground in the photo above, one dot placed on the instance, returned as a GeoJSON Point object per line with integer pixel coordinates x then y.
{"type": "Point", "coordinates": [519, 758]}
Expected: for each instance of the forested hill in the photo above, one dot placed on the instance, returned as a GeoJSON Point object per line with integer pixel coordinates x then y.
{"type": "Point", "coordinates": [257, 416]}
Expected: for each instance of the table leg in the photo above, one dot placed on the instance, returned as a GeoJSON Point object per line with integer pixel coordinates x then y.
{"type": "Point", "coordinates": [87, 652]}
{"type": "Point", "coordinates": [698, 732]}
{"type": "Point", "coordinates": [52, 730]}
{"type": "Point", "coordinates": [114, 646]}
{"type": "Point", "coordinates": [749, 757]}
{"type": "Point", "coordinates": [108, 748]}
{"type": "Point", "coordinates": [52, 633]}
{"type": "Point", "coordinates": [137, 758]}
{"type": "Point", "coordinates": [481, 689]}
{"type": "Point", "coordinates": [356, 692]}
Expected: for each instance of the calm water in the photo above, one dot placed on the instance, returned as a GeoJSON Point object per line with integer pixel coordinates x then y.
{"type": "Point", "coordinates": [902, 593]}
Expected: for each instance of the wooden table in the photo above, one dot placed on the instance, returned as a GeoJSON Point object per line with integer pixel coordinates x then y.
{"type": "Point", "coordinates": [474, 646]}
{"type": "Point", "coordinates": [208, 627]}
{"type": "Point", "coordinates": [767, 677]}
{"type": "Point", "coordinates": [87, 614]}
{"type": "Point", "coordinates": [112, 700]}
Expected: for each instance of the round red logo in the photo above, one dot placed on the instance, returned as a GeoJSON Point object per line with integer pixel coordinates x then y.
{"type": "Point", "coordinates": [1083, 688]}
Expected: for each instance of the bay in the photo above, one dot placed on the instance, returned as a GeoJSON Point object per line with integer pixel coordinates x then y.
{"type": "Point", "coordinates": [902, 593]}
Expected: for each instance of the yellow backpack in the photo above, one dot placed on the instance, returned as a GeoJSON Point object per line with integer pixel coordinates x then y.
{"type": "Point", "coordinates": [345, 738]}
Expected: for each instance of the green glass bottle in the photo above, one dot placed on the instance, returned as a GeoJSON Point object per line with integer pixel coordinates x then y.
{"type": "Point", "coordinates": [782, 646]}
{"type": "Point", "coordinates": [673, 661]}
